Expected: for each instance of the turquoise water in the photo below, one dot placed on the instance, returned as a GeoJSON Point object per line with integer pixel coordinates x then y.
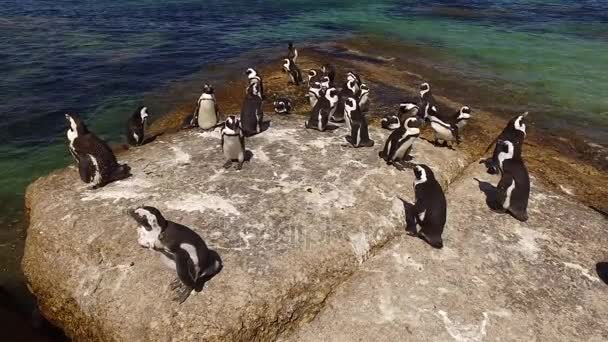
{"type": "Point", "coordinates": [103, 58]}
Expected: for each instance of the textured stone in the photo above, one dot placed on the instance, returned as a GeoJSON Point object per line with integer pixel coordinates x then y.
{"type": "Point", "coordinates": [299, 218]}
{"type": "Point", "coordinates": [496, 279]}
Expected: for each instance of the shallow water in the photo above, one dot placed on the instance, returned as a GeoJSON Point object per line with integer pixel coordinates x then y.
{"type": "Point", "coordinates": [104, 58]}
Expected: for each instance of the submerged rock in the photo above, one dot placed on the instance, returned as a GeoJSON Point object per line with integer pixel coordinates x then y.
{"type": "Point", "coordinates": [300, 217]}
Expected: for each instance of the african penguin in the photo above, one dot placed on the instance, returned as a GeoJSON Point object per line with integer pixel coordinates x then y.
{"type": "Point", "coordinates": [427, 100]}
{"type": "Point", "coordinates": [233, 142]}
{"type": "Point", "coordinates": [252, 114]}
{"type": "Point", "coordinates": [292, 70]}
{"type": "Point", "coordinates": [364, 98]}
{"type": "Point", "coordinates": [356, 124]}
{"type": "Point", "coordinates": [292, 52]}
{"type": "Point", "coordinates": [513, 189]}
{"type": "Point", "coordinates": [96, 161]}
{"type": "Point", "coordinates": [320, 113]}
{"type": "Point", "coordinates": [390, 121]}
{"type": "Point", "coordinates": [329, 71]}
{"type": "Point", "coordinates": [515, 132]}
{"type": "Point", "coordinates": [463, 116]}
{"type": "Point", "coordinates": [180, 248]}
{"type": "Point", "coordinates": [327, 82]}
{"type": "Point", "coordinates": [430, 209]}
{"type": "Point", "coordinates": [282, 105]}
{"type": "Point", "coordinates": [314, 75]}
{"type": "Point", "coordinates": [445, 131]}
{"type": "Point", "coordinates": [252, 77]}
{"type": "Point", "coordinates": [136, 126]}
{"type": "Point", "coordinates": [399, 143]}
{"type": "Point", "coordinates": [206, 113]}
{"type": "Point", "coordinates": [349, 90]}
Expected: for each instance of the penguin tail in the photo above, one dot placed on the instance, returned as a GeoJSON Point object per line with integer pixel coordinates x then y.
{"type": "Point", "coordinates": [122, 171]}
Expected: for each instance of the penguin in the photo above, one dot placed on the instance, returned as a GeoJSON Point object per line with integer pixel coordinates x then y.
{"type": "Point", "coordinates": [515, 132]}
{"type": "Point", "coordinates": [206, 113]}
{"type": "Point", "coordinates": [390, 121]}
{"type": "Point", "coordinates": [292, 52]}
{"type": "Point", "coordinates": [327, 82]}
{"type": "Point", "coordinates": [180, 248]}
{"type": "Point", "coordinates": [252, 114]}
{"type": "Point", "coordinates": [252, 76]}
{"type": "Point", "coordinates": [429, 210]}
{"type": "Point", "coordinates": [364, 98]}
{"type": "Point", "coordinates": [96, 161]}
{"type": "Point", "coordinates": [462, 117]}
{"type": "Point", "coordinates": [282, 105]}
{"type": "Point", "coordinates": [314, 75]}
{"type": "Point", "coordinates": [290, 67]}
{"type": "Point", "coordinates": [329, 71]}
{"type": "Point", "coordinates": [357, 125]}
{"type": "Point", "coordinates": [349, 90]}
{"type": "Point", "coordinates": [427, 100]}
{"type": "Point", "coordinates": [233, 142]}
{"type": "Point", "coordinates": [136, 126]}
{"type": "Point", "coordinates": [314, 92]}
{"type": "Point", "coordinates": [513, 190]}
{"type": "Point", "coordinates": [445, 131]}
{"type": "Point", "coordinates": [393, 121]}
{"type": "Point", "coordinates": [399, 143]}
{"type": "Point", "coordinates": [319, 115]}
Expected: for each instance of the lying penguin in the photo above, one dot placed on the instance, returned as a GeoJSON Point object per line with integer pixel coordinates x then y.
{"type": "Point", "coordinates": [282, 105]}
{"type": "Point", "coordinates": [356, 124]}
{"type": "Point", "coordinates": [430, 209]}
{"type": "Point", "coordinates": [400, 142]}
{"type": "Point", "coordinates": [97, 163]}
{"type": "Point", "coordinates": [181, 249]}
{"type": "Point", "coordinates": [136, 126]}
{"type": "Point", "coordinates": [513, 190]}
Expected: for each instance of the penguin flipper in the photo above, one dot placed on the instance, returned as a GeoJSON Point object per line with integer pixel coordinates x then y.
{"type": "Point", "coordinates": [501, 191]}
{"type": "Point", "coordinates": [86, 169]}
{"type": "Point", "coordinates": [186, 274]}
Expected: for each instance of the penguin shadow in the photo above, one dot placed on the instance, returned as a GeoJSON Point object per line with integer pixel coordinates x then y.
{"type": "Point", "coordinates": [602, 271]}
{"type": "Point", "coordinates": [436, 144]}
{"type": "Point", "coordinates": [491, 194]}
{"type": "Point", "coordinates": [151, 139]}
{"type": "Point", "coordinates": [248, 155]}
{"type": "Point", "coordinates": [215, 258]}
{"type": "Point", "coordinates": [264, 126]}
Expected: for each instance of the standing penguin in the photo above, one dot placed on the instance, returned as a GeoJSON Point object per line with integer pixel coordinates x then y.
{"type": "Point", "coordinates": [233, 142]}
{"type": "Point", "coordinates": [445, 131]}
{"type": "Point", "coordinates": [427, 101]}
{"type": "Point", "coordinates": [292, 70]}
{"type": "Point", "coordinates": [364, 98]}
{"type": "Point", "coordinates": [430, 209]}
{"type": "Point", "coordinates": [319, 115]}
{"type": "Point", "coordinates": [349, 90]}
{"type": "Point", "coordinates": [282, 105]}
{"type": "Point", "coordinates": [252, 114]}
{"type": "Point", "coordinates": [513, 190]}
{"type": "Point", "coordinates": [292, 52]}
{"type": "Point", "coordinates": [96, 161]}
{"type": "Point", "coordinates": [399, 143]}
{"type": "Point", "coordinates": [136, 126]}
{"type": "Point", "coordinates": [206, 114]}
{"type": "Point", "coordinates": [253, 77]}
{"type": "Point", "coordinates": [515, 132]}
{"type": "Point", "coordinates": [182, 250]}
{"type": "Point", "coordinates": [357, 124]}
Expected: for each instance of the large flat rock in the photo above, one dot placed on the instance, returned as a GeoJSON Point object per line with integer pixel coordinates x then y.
{"type": "Point", "coordinates": [497, 279]}
{"type": "Point", "coordinates": [299, 218]}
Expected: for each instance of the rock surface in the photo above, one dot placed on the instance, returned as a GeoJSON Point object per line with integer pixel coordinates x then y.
{"type": "Point", "coordinates": [299, 218]}
{"type": "Point", "coordinates": [496, 279]}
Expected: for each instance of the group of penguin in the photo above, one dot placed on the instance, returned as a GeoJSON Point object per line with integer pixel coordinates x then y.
{"type": "Point", "coordinates": [184, 251]}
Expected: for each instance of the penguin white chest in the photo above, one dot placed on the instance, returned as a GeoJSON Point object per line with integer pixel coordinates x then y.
{"type": "Point", "coordinates": [147, 238]}
{"type": "Point", "coordinates": [442, 132]}
{"type": "Point", "coordinates": [406, 143]}
{"type": "Point", "coordinates": [206, 114]}
{"type": "Point", "coordinates": [510, 189]}
{"type": "Point", "coordinates": [232, 147]}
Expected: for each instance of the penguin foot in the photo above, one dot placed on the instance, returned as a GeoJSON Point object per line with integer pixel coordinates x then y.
{"type": "Point", "coordinates": [239, 166]}
{"type": "Point", "coordinates": [227, 164]}
{"type": "Point", "coordinates": [175, 284]}
{"type": "Point", "coordinates": [181, 294]}
{"type": "Point", "coordinates": [523, 217]}
{"type": "Point", "coordinates": [435, 242]}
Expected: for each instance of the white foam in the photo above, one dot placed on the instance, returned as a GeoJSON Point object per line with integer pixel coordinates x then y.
{"type": "Point", "coordinates": [360, 245]}
{"type": "Point", "coordinates": [202, 203]}
{"type": "Point", "coordinates": [527, 241]}
{"type": "Point", "coordinates": [181, 157]}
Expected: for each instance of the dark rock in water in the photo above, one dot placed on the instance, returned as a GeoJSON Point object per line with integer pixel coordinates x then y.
{"type": "Point", "coordinates": [298, 220]}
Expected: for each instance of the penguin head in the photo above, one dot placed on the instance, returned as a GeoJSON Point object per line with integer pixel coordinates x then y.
{"type": "Point", "coordinates": [412, 123]}
{"type": "Point", "coordinates": [352, 86]}
{"type": "Point", "coordinates": [286, 64]}
{"type": "Point", "coordinates": [282, 105]}
{"type": "Point", "coordinates": [312, 73]}
{"type": "Point", "coordinates": [424, 89]}
{"type": "Point", "coordinates": [331, 94]}
{"type": "Point", "coordinates": [406, 107]}
{"type": "Point", "coordinates": [352, 76]}
{"type": "Point", "coordinates": [519, 123]}
{"type": "Point", "coordinates": [76, 126]}
{"type": "Point", "coordinates": [208, 89]}
{"type": "Point", "coordinates": [326, 81]}
{"type": "Point", "coordinates": [422, 173]}
{"type": "Point", "coordinates": [232, 126]}
{"type": "Point", "coordinates": [152, 222]}
{"type": "Point", "coordinates": [465, 113]}
{"type": "Point", "coordinates": [142, 112]}
{"type": "Point", "coordinates": [364, 88]}
{"type": "Point", "coordinates": [251, 73]}
{"type": "Point", "coordinates": [290, 45]}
